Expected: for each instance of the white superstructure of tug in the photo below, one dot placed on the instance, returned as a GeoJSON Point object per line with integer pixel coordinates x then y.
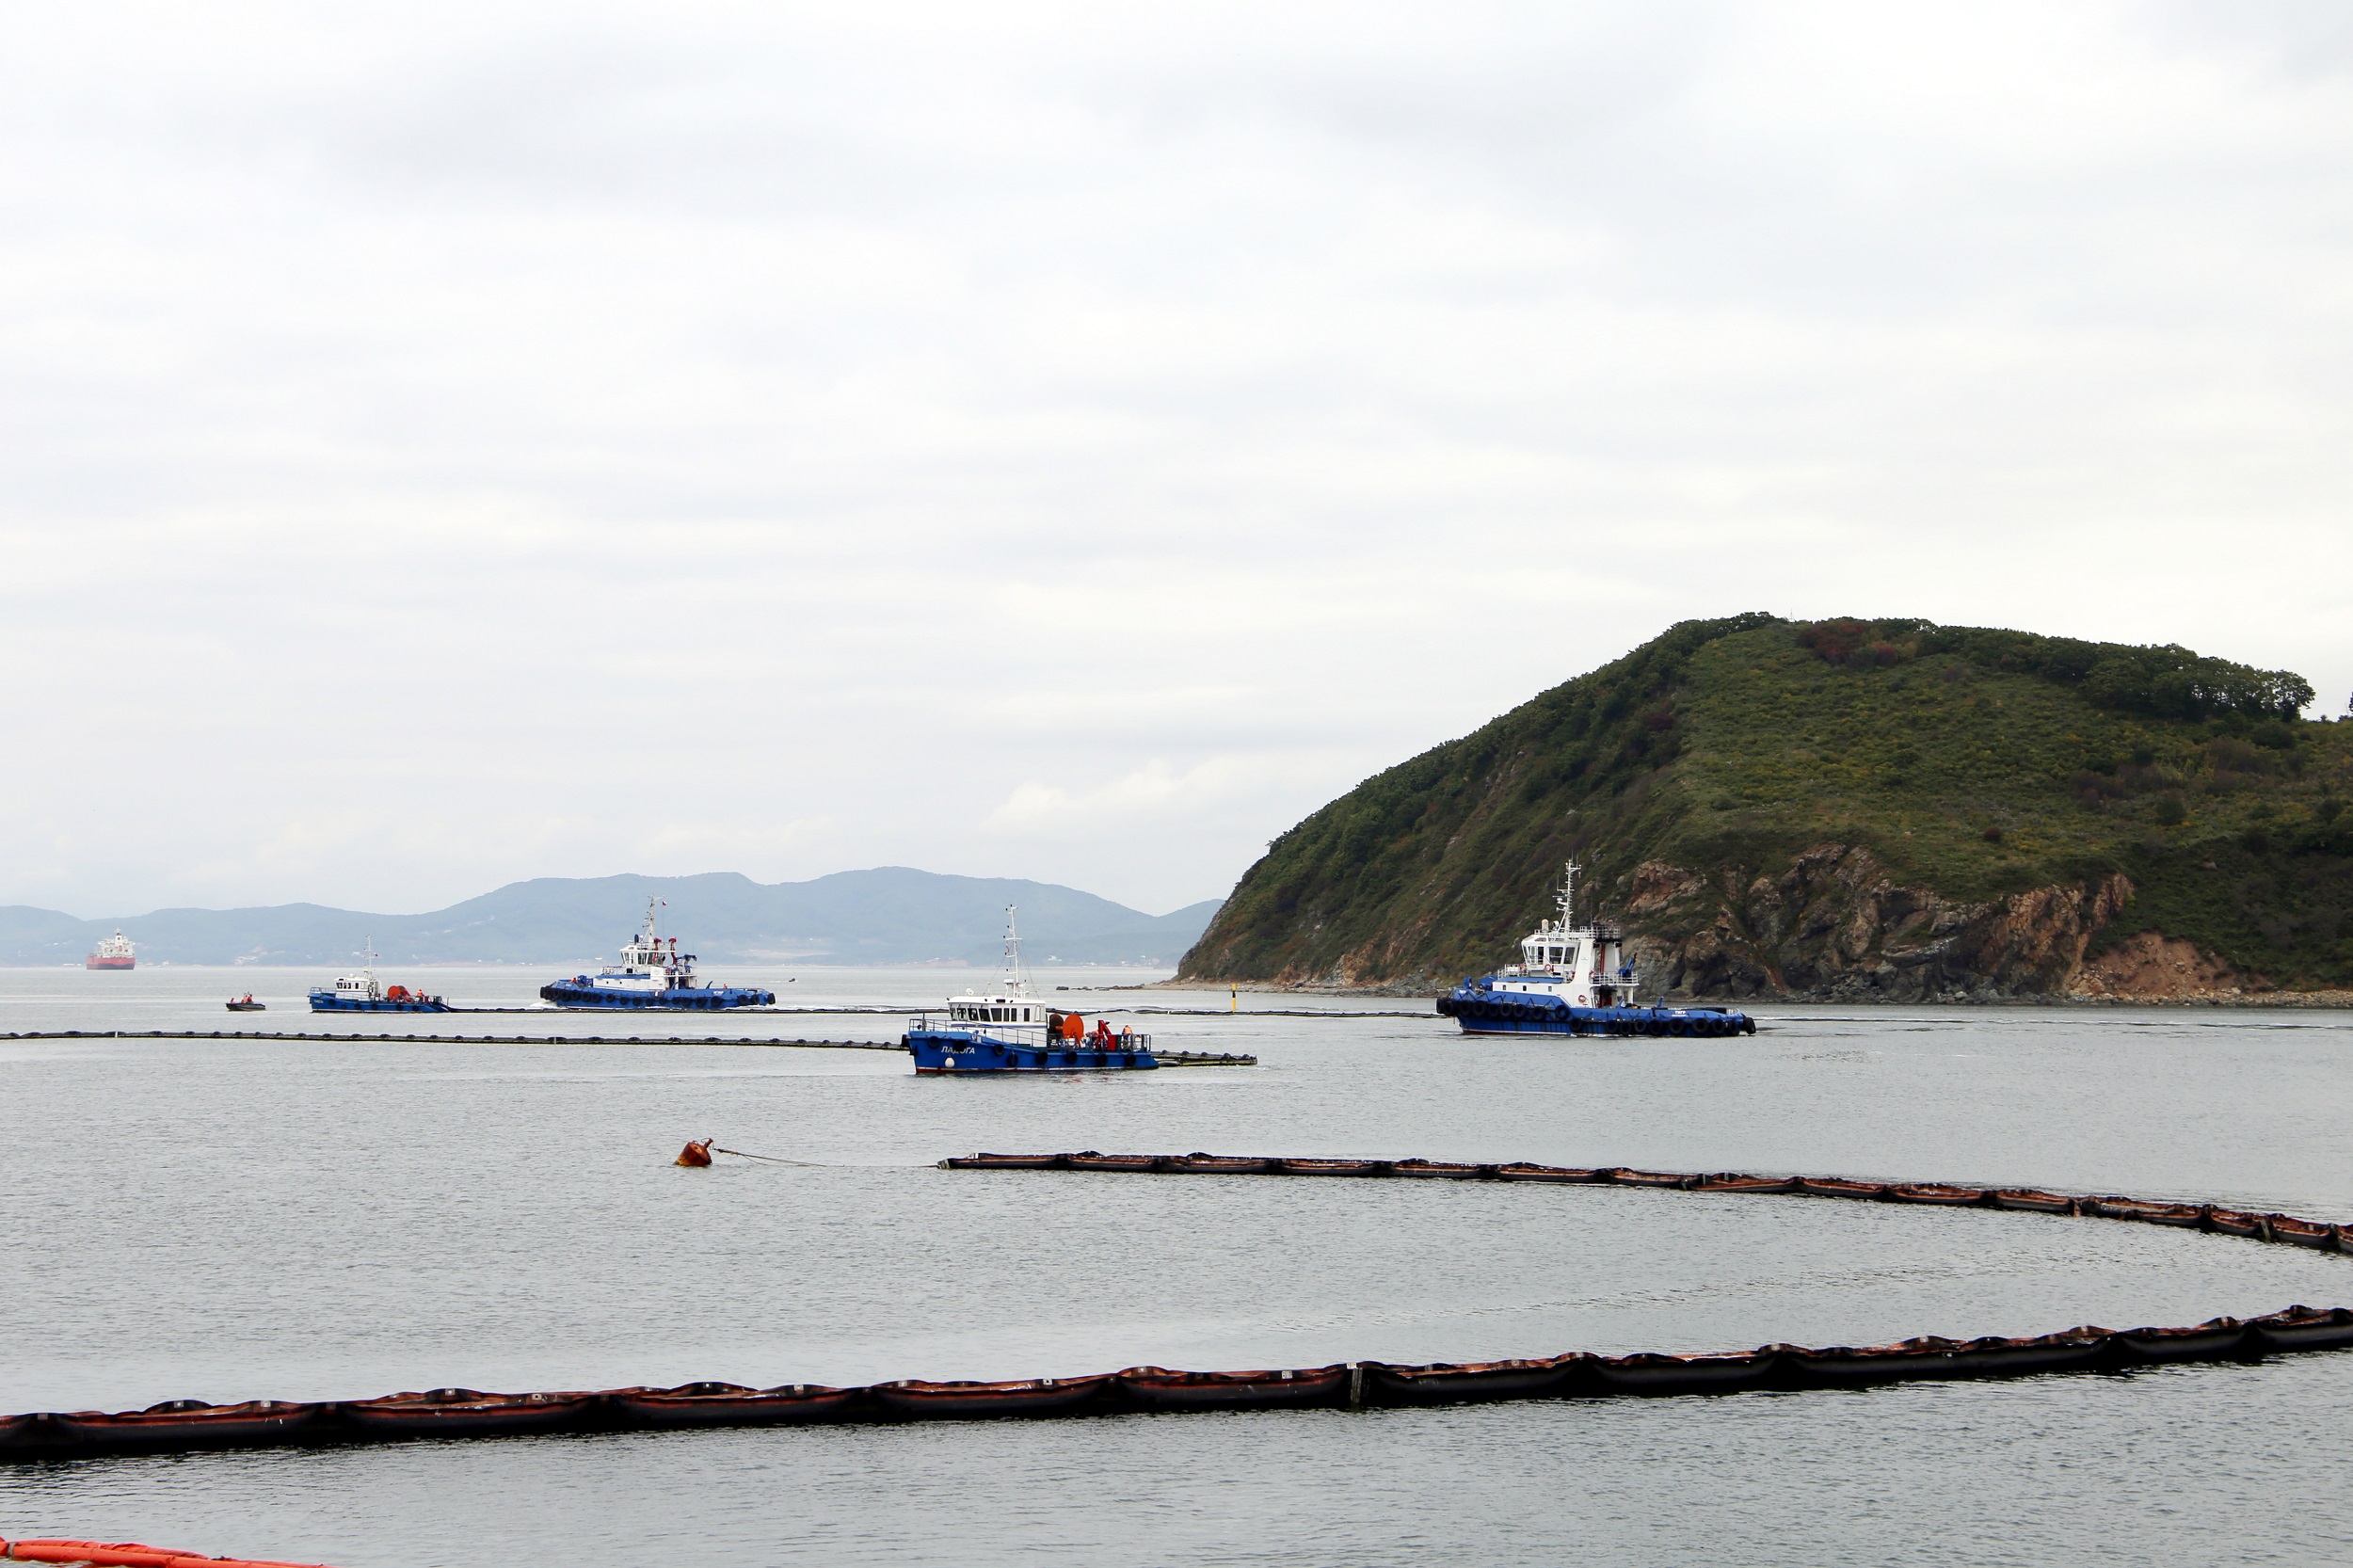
{"type": "Point", "coordinates": [1582, 965]}
{"type": "Point", "coordinates": [650, 964]}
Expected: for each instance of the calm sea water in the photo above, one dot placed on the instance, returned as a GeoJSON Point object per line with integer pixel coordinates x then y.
{"type": "Point", "coordinates": [227, 1219]}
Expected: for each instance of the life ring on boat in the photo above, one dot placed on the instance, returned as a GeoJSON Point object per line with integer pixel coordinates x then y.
{"type": "Point", "coordinates": [1581, 999]}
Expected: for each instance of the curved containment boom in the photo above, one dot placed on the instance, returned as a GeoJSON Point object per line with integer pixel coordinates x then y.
{"type": "Point", "coordinates": [192, 1424]}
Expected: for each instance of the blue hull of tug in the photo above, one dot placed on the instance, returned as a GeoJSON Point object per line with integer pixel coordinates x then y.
{"type": "Point", "coordinates": [960, 1051]}
{"type": "Point", "coordinates": [1485, 1012]}
{"type": "Point", "coordinates": [328, 1001]}
{"type": "Point", "coordinates": [677, 999]}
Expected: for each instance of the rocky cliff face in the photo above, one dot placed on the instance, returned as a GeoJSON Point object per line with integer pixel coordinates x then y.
{"type": "Point", "coordinates": [1836, 927]}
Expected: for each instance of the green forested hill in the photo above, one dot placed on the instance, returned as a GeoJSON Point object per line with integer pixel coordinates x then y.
{"type": "Point", "coordinates": [1841, 808]}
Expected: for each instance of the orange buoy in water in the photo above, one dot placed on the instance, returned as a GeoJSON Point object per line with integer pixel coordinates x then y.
{"type": "Point", "coordinates": [695, 1154]}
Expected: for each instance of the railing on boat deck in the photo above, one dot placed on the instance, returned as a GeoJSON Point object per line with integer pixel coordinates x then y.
{"type": "Point", "coordinates": [1017, 1034]}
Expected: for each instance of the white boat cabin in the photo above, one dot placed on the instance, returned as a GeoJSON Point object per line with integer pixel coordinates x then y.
{"type": "Point", "coordinates": [648, 963]}
{"type": "Point", "coordinates": [362, 986]}
{"type": "Point", "coordinates": [1009, 1014]}
{"type": "Point", "coordinates": [1583, 965]}
{"type": "Point", "coordinates": [1010, 1006]}
{"type": "Point", "coordinates": [995, 1010]}
{"type": "Point", "coordinates": [359, 988]}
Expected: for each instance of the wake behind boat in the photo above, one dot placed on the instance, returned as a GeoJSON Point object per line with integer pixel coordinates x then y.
{"type": "Point", "coordinates": [1009, 1030]}
{"type": "Point", "coordinates": [1574, 980]}
{"type": "Point", "coordinates": [652, 973]}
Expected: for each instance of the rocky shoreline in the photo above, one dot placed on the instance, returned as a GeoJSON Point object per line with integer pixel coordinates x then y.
{"type": "Point", "coordinates": [2217, 998]}
{"type": "Point", "coordinates": [1836, 927]}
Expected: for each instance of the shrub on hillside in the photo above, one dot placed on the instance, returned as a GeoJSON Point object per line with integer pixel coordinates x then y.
{"type": "Point", "coordinates": [2166, 683]}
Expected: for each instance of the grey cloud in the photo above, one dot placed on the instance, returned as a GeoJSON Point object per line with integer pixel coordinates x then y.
{"type": "Point", "coordinates": [865, 436]}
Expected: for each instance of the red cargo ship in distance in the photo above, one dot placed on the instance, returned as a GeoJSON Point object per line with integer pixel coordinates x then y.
{"type": "Point", "coordinates": [114, 952]}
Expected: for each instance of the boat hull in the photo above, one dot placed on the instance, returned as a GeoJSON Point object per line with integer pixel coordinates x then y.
{"type": "Point", "coordinates": [327, 1002]}
{"type": "Point", "coordinates": [110, 963]}
{"type": "Point", "coordinates": [962, 1052]}
{"type": "Point", "coordinates": [1489, 1013]}
{"type": "Point", "coordinates": [676, 998]}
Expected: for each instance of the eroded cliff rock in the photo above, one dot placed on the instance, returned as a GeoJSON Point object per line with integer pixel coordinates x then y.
{"type": "Point", "coordinates": [1834, 926]}
{"type": "Point", "coordinates": [2147, 967]}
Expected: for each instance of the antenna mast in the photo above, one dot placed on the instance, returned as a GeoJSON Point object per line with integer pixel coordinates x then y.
{"type": "Point", "coordinates": [1015, 982]}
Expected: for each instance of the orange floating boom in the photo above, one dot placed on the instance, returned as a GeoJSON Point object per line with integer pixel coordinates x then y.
{"type": "Point", "coordinates": [127, 1554]}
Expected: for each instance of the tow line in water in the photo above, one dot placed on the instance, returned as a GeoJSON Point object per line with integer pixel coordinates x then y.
{"type": "Point", "coordinates": [698, 1153]}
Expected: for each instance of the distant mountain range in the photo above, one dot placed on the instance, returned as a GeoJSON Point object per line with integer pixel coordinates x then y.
{"type": "Point", "coordinates": [889, 915]}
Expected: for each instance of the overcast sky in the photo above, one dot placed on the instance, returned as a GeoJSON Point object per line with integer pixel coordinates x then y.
{"type": "Point", "coordinates": [448, 443]}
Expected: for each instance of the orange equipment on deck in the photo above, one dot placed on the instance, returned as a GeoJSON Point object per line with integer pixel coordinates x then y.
{"type": "Point", "coordinates": [696, 1153]}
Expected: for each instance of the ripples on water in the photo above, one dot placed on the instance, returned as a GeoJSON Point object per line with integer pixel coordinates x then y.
{"type": "Point", "coordinates": [228, 1220]}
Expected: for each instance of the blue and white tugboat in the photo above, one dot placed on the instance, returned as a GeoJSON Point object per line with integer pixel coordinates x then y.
{"type": "Point", "coordinates": [1009, 1030]}
{"type": "Point", "coordinates": [364, 993]}
{"type": "Point", "coordinates": [652, 973]}
{"type": "Point", "coordinates": [1574, 979]}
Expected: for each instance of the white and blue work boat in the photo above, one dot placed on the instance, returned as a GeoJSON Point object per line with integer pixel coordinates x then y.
{"type": "Point", "coordinates": [1574, 979]}
{"type": "Point", "coordinates": [653, 974]}
{"type": "Point", "coordinates": [1009, 1030]}
{"type": "Point", "coordinates": [364, 993]}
